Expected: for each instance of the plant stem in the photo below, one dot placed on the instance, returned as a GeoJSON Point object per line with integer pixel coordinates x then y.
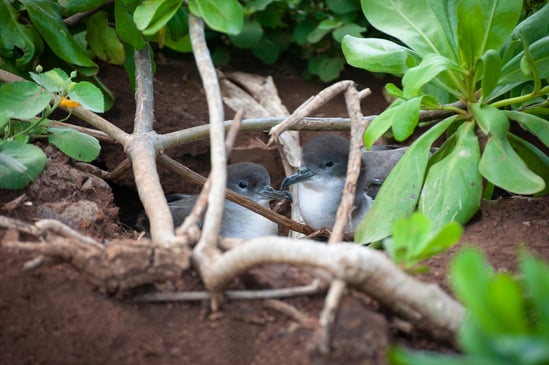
{"type": "Point", "coordinates": [520, 99]}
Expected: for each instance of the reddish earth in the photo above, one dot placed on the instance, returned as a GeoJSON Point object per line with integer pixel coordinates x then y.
{"type": "Point", "coordinates": [53, 316]}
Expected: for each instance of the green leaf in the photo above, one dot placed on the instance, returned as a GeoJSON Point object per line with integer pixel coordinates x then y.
{"type": "Point", "coordinates": [75, 144]}
{"type": "Point", "coordinates": [89, 96]}
{"type": "Point", "coordinates": [431, 65]}
{"type": "Point", "coordinates": [396, 199]}
{"type": "Point", "coordinates": [470, 274]}
{"type": "Point", "coordinates": [533, 27]}
{"type": "Point", "coordinates": [426, 26]}
{"type": "Point", "coordinates": [152, 15]}
{"type": "Point", "coordinates": [78, 6]}
{"type": "Point", "coordinates": [125, 26]}
{"type": "Point", "coordinates": [511, 73]}
{"type": "Point", "coordinates": [302, 30]}
{"type": "Point", "coordinates": [225, 16]}
{"type": "Point", "coordinates": [45, 16]}
{"type": "Point", "coordinates": [20, 164]}
{"type": "Point", "coordinates": [484, 25]}
{"type": "Point", "coordinates": [103, 39]}
{"type": "Point", "coordinates": [266, 50]}
{"type": "Point", "coordinates": [322, 29]}
{"type": "Point", "coordinates": [503, 167]}
{"type": "Point", "coordinates": [14, 36]}
{"type": "Point", "coordinates": [342, 6]}
{"type": "Point", "coordinates": [327, 68]}
{"type": "Point", "coordinates": [351, 29]}
{"type": "Point", "coordinates": [535, 275]}
{"type": "Point", "coordinates": [377, 55]}
{"type": "Point", "coordinates": [23, 99]}
{"type": "Point", "coordinates": [448, 236]}
{"type": "Point", "coordinates": [251, 34]}
{"type": "Point", "coordinates": [458, 170]}
{"type": "Point", "coordinates": [405, 123]}
{"type": "Point", "coordinates": [409, 233]}
{"type": "Point", "coordinates": [532, 123]}
{"type": "Point", "coordinates": [491, 71]}
{"type": "Point", "coordinates": [55, 80]}
{"type": "Point", "coordinates": [537, 161]}
{"type": "Point", "coordinates": [399, 356]}
{"type": "Point", "coordinates": [492, 121]}
{"type": "Point", "coordinates": [506, 306]}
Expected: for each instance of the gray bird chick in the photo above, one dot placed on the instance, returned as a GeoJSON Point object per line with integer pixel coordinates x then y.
{"type": "Point", "coordinates": [246, 178]}
{"type": "Point", "coordinates": [321, 180]}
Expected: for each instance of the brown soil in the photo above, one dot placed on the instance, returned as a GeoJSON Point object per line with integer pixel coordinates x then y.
{"type": "Point", "coordinates": [53, 316]}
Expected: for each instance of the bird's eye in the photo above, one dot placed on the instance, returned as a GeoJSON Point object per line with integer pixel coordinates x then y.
{"type": "Point", "coordinates": [243, 185]}
{"type": "Point", "coordinates": [329, 164]}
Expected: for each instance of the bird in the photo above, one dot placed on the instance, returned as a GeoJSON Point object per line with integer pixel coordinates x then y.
{"type": "Point", "coordinates": [249, 179]}
{"type": "Point", "coordinates": [320, 181]}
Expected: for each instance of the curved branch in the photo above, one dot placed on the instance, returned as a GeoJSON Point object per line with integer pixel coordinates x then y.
{"type": "Point", "coordinates": [366, 269]}
{"type": "Point", "coordinates": [207, 246]}
{"type": "Point", "coordinates": [142, 153]}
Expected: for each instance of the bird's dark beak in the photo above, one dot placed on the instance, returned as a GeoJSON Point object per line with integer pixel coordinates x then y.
{"type": "Point", "coordinates": [301, 175]}
{"type": "Point", "coordinates": [268, 192]}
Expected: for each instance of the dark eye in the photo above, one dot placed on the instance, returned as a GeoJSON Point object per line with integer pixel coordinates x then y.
{"type": "Point", "coordinates": [329, 164]}
{"type": "Point", "coordinates": [243, 185]}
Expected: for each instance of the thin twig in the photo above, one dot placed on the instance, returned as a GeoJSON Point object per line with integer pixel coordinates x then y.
{"type": "Point", "coordinates": [291, 311]}
{"type": "Point", "coordinates": [51, 225]}
{"type": "Point", "coordinates": [308, 107]}
{"type": "Point", "coordinates": [312, 288]}
{"type": "Point", "coordinates": [212, 220]}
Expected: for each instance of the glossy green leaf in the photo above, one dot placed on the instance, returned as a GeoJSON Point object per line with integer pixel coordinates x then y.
{"type": "Point", "coordinates": [484, 25]}
{"type": "Point", "coordinates": [503, 167]}
{"type": "Point", "coordinates": [351, 29]}
{"type": "Point", "coordinates": [491, 71]}
{"type": "Point", "coordinates": [323, 28]}
{"type": "Point", "coordinates": [152, 15]}
{"type": "Point", "coordinates": [426, 26]}
{"type": "Point", "coordinates": [251, 34]}
{"type": "Point", "coordinates": [533, 27]}
{"type": "Point", "coordinates": [408, 234]}
{"type": "Point", "coordinates": [77, 6]}
{"type": "Point", "coordinates": [511, 73]}
{"type": "Point", "coordinates": [377, 55]}
{"type": "Point", "coordinates": [448, 236]}
{"type": "Point", "coordinates": [258, 5]}
{"type": "Point", "coordinates": [431, 65]}
{"type": "Point", "coordinates": [89, 96]}
{"type": "Point", "coordinates": [537, 161]}
{"type": "Point", "coordinates": [103, 39]}
{"type": "Point", "coordinates": [20, 164]}
{"type": "Point", "coordinates": [405, 122]}
{"type": "Point", "coordinates": [458, 170]}
{"type": "Point", "coordinates": [75, 144]}
{"type": "Point", "coordinates": [23, 99]}
{"type": "Point", "coordinates": [54, 80]}
{"type": "Point", "coordinates": [398, 195]}
{"type": "Point", "coordinates": [225, 16]}
{"type": "Point", "coordinates": [400, 110]}
{"type": "Point", "coordinates": [45, 16]}
{"type": "Point", "coordinates": [13, 36]}
{"type": "Point", "coordinates": [125, 26]}
{"type": "Point", "coordinates": [532, 123]}
{"type": "Point", "coordinates": [492, 121]}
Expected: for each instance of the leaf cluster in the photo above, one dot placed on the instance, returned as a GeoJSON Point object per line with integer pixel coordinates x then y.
{"type": "Point", "coordinates": [508, 319]}
{"type": "Point", "coordinates": [494, 70]}
{"type": "Point", "coordinates": [24, 110]}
